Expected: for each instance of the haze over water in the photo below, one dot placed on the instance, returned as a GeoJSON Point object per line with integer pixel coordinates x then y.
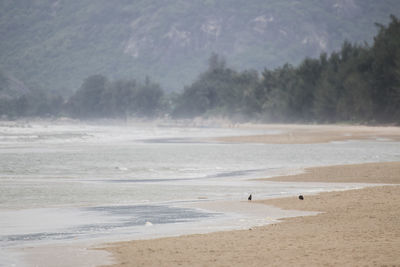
{"type": "Point", "coordinates": [80, 182]}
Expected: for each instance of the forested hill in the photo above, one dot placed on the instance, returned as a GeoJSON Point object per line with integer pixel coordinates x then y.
{"type": "Point", "coordinates": [357, 84]}
{"type": "Point", "coordinates": [56, 44]}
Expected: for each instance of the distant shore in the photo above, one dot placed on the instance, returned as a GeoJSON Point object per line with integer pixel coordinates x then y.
{"type": "Point", "coordinates": [356, 227]}
{"type": "Point", "coordinates": [311, 134]}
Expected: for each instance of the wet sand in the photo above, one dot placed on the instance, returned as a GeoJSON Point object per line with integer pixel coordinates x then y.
{"type": "Point", "coordinates": [354, 228]}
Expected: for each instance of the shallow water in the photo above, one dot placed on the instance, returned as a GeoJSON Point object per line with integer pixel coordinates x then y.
{"type": "Point", "coordinates": [79, 182]}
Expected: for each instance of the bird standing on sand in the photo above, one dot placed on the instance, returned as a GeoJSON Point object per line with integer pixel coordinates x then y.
{"type": "Point", "coordinates": [301, 197]}
{"type": "Point", "coordinates": [249, 198]}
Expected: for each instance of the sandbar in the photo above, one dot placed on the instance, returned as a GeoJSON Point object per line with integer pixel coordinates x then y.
{"type": "Point", "coordinates": [311, 134]}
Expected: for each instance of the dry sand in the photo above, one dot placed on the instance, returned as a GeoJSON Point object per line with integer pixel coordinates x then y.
{"type": "Point", "coordinates": [378, 173]}
{"type": "Point", "coordinates": [309, 134]}
{"type": "Point", "coordinates": [355, 228]}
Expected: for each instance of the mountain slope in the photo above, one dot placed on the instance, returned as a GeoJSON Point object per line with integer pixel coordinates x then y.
{"type": "Point", "coordinates": [10, 87]}
{"type": "Point", "coordinates": [55, 44]}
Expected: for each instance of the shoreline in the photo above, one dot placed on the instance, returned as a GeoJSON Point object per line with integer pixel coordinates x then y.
{"type": "Point", "coordinates": [314, 134]}
{"type": "Point", "coordinates": [353, 227]}
{"type": "Point", "coordinates": [229, 248]}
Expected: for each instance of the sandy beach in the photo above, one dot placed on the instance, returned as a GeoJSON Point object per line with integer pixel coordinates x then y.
{"type": "Point", "coordinates": [354, 228]}
{"type": "Point", "coordinates": [377, 173]}
{"type": "Point", "coordinates": [311, 134]}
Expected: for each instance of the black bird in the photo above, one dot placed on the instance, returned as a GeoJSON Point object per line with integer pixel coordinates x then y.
{"type": "Point", "coordinates": [301, 197]}
{"type": "Point", "coordinates": [249, 198]}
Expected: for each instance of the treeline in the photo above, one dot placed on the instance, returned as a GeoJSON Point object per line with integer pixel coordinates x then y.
{"type": "Point", "coordinates": [96, 98]}
{"type": "Point", "coordinates": [359, 83]}
{"type": "Point", "coordinates": [99, 98]}
{"type": "Point", "coordinates": [36, 103]}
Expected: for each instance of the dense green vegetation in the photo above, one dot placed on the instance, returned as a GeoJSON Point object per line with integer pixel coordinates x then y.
{"type": "Point", "coordinates": [55, 44]}
{"type": "Point", "coordinates": [356, 84]}
{"type": "Point", "coordinates": [359, 83]}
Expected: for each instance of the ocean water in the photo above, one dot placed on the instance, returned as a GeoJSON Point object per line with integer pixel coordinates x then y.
{"type": "Point", "coordinates": [62, 183]}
